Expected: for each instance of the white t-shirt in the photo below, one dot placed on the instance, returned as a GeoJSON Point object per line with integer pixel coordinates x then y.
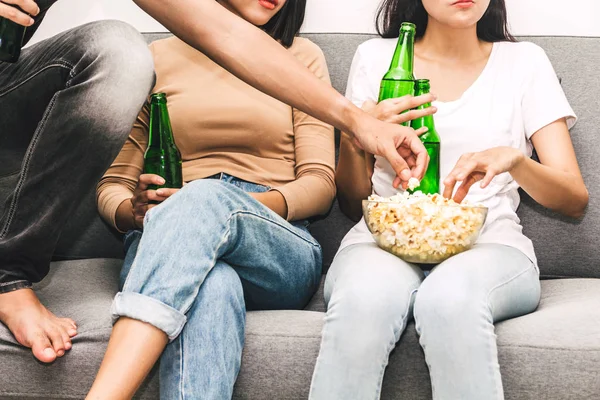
{"type": "Point", "coordinates": [517, 94]}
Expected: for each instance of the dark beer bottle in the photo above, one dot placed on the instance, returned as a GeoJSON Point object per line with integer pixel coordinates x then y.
{"type": "Point", "coordinates": [430, 184]}
{"type": "Point", "coordinates": [399, 80]}
{"type": "Point", "coordinates": [162, 156]}
{"type": "Point", "coordinates": [11, 40]}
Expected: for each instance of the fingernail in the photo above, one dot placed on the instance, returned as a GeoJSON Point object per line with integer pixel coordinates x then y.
{"type": "Point", "coordinates": [68, 345]}
{"type": "Point", "coordinates": [72, 332]}
{"type": "Point", "coordinates": [31, 21]}
{"type": "Point", "coordinates": [434, 109]}
{"type": "Point", "coordinates": [60, 353]}
{"type": "Point", "coordinates": [49, 352]}
{"type": "Point", "coordinates": [159, 192]}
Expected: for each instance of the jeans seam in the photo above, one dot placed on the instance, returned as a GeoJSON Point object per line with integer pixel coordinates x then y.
{"type": "Point", "coordinates": [181, 374]}
{"type": "Point", "coordinates": [25, 169]}
{"type": "Point", "coordinates": [393, 344]}
{"type": "Point", "coordinates": [61, 64]}
{"type": "Point", "coordinates": [312, 242]}
{"type": "Point", "coordinates": [14, 282]}
{"type": "Point", "coordinates": [497, 389]}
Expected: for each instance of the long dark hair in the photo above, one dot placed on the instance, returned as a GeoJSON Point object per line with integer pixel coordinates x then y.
{"type": "Point", "coordinates": [285, 25]}
{"type": "Point", "coordinates": [493, 26]}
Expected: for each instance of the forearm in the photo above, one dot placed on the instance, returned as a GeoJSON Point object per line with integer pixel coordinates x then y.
{"type": "Point", "coordinates": [254, 57]}
{"type": "Point", "coordinates": [124, 217]}
{"type": "Point", "coordinates": [558, 190]}
{"type": "Point", "coordinates": [310, 195]}
{"type": "Point", "coordinates": [274, 201]}
{"type": "Point", "coordinates": [352, 178]}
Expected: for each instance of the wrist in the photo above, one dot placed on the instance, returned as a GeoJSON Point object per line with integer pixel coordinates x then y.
{"type": "Point", "coordinates": [519, 160]}
{"type": "Point", "coordinates": [355, 119]}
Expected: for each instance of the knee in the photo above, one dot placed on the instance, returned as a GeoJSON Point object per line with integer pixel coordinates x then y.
{"type": "Point", "coordinates": [369, 315]}
{"type": "Point", "coordinates": [448, 303]}
{"type": "Point", "coordinates": [222, 286]}
{"type": "Point", "coordinates": [118, 53]}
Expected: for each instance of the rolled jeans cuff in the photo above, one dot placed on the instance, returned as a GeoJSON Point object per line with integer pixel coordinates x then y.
{"type": "Point", "coordinates": [14, 285]}
{"type": "Point", "coordinates": [149, 310]}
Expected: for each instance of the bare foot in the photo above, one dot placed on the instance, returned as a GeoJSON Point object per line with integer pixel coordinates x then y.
{"type": "Point", "coordinates": [34, 326]}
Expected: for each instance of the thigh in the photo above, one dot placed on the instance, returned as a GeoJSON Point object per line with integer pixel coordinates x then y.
{"type": "Point", "coordinates": [500, 276]}
{"type": "Point", "coordinates": [47, 68]}
{"type": "Point", "coordinates": [370, 275]}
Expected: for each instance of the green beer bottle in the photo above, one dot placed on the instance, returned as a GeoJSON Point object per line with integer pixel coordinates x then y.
{"type": "Point", "coordinates": [430, 184]}
{"type": "Point", "coordinates": [162, 156]}
{"type": "Point", "coordinates": [399, 80]}
{"type": "Point", "coordinates": [11, 40]}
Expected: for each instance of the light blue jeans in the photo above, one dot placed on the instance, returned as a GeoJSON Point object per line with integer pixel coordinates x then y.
{"type": "Point", "coordinates": [206, 254]}
{"type": "Point", "coordinates": [371, 295]}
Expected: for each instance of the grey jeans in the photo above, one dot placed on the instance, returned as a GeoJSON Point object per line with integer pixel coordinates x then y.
{"type": "Point", "coordinates": [66, 108]}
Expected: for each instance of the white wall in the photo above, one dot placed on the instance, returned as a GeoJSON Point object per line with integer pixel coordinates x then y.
{"type": "Point", "coordinates": [527, 17]}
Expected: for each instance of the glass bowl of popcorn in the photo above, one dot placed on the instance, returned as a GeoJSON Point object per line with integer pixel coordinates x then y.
{"type": "Point", "coordinates": [423, 229]}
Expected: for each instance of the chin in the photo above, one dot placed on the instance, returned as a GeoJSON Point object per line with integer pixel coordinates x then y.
{"type": "Point", "coordinates": [258, 17]}
{"type": "Point", "coordinates": [462, 21]}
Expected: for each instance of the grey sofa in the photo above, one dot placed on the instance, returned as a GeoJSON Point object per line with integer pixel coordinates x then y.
{"type": "Point", "coordinates": [552, 354]}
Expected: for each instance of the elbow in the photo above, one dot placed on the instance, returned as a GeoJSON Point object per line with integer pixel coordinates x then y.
{"type": "Point", "coordinates": [579, 205]}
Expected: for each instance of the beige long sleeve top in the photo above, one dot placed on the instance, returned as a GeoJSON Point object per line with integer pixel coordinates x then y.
{"type": "Point", "coordinates": [221, 124]}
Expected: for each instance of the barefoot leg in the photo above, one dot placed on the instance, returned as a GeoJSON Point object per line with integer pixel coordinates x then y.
{"type": "Point", "coordinates": [34, 326]}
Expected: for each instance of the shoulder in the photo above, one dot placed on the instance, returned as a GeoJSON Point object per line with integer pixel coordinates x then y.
{"type": "Point", "coordinates": [311, 55]}
{"type": "Point", "coordinates": [162, 45]}
{"type": "Point", "coordinates": [374, 53]}
{"type": "Point", "coordinates": [522, 53]}
{"type": "Point", "coordinates": [306, 50]}
{"type": "Point", "coordinates": [376, 45]}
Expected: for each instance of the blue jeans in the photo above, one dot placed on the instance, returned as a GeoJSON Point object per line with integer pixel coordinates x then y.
{"type": "Point", "coordinates": [207, 254]}
{"type": "Point", "coordinates": [372, 294]}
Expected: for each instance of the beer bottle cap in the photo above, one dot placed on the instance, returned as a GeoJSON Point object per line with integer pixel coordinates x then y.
{"type": "Point", "coordinates": [408, 27]}
{"type": "Point", "coordinates": [158, 97]}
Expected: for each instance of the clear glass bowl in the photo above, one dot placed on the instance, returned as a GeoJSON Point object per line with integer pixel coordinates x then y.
{"type": "Point", "coordinates": [422, 232]}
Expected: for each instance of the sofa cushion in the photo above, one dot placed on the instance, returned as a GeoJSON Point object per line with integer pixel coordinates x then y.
{"type": "Point", "coordinates": [82, 290]}
{"type": "Point", "coordinates": [552, 354]}
{"type": "Point", "coordinates": [565, 248]}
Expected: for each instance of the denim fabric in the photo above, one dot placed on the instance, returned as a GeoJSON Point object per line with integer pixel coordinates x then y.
{"type": "Point", "coordinates": [371, 294]}
{"type": "Point", "coordinates": [207, 254]}
{"type": "Point", "coordinates": [66, 108]}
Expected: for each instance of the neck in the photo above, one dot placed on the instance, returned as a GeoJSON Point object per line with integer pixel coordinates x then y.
{"type": "Point", "coordinates": [441, 41]}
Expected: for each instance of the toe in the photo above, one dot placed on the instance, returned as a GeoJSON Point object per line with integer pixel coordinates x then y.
{"type": "Point", "coordinates": [71, 322]}
{"type": "Point", "coordinates": [57, 341]}
{"type": "Point", "coordinates": [68, 327]}
{"type": "Point", "coordinates": [66, 340]}
{"type": "Point", "coordinates": [42, 348]}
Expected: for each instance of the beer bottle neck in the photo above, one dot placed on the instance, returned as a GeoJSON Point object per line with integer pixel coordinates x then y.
{"type": "Point", "coordinates": [160, 131]}
{"type": "Point", "coordinates": [421, 88]}
{"type": "Point", "coordinates": [404, 55]}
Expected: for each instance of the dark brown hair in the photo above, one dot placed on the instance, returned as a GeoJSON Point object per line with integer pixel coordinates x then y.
{"type": "Point", "coordinates": [285, 25]}
{"type": "Point", "coordinates": [493, 26]}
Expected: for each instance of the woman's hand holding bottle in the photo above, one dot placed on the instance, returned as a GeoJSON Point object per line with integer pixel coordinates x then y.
{"type": "Point", "coordinates": [401, 109]}
{"type": "Point", "coordinates": [398, 111]}
{"type": "Point", "coordinates": [131, 213]}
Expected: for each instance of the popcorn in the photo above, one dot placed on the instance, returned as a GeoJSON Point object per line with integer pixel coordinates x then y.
{"type": "Point", "coordinates": [423, 228]}
{"type": "Point", "coordinates": [413, 183]}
